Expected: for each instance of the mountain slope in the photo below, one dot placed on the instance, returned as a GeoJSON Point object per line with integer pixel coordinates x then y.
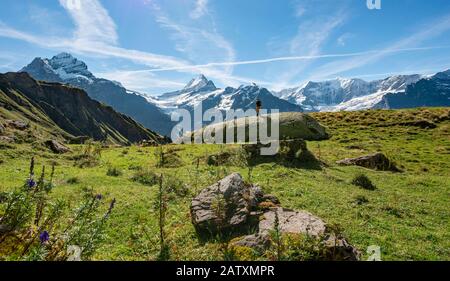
{"type": "Point", "coordinates": [433, 91]}
{"type": "Point", "coordinates": [64, 68]}
{"type": "Point", "coordinates": [68, 110]}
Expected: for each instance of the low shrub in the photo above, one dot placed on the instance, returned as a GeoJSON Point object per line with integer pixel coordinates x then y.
{"type": "Point", "coordinates": [364, 182]}
{"type": "Point", "coordinates": [73, 180]}
{"type": "Point", "coordinates": [145, 177]}
{"type": "Point", "coordinates": [114, 172]}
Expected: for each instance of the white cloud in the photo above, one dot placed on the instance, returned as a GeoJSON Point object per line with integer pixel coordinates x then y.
{"type": "Point", "coordinates": [200, 42]}
{"type": "Point", "coordinates": [140, 80]}
{"type": "Point", "coordinates": [342, 40]}
{"type": "Point", "coordinates": [311, 36]}
{"type": "Point", "coordinates": [93, 23]}
{"type": "Point", "coordinates": [201, 8]}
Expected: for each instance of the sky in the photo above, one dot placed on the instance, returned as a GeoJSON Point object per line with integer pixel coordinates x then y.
{"type": "Point", "coordinates": [156, 46]}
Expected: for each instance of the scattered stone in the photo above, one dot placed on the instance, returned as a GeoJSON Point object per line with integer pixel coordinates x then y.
{"type": "Point", "coordinates": [149, 143]}
{"type": "Point", "coordinates": [258, 242]}
{"type": "Point", "coordinates": [377, 161]}
{"type": "Point", "coordinates": [18, 125]}
{"type": "Point", "coordinates": [338, 249]}
{"type": "Point", "coordinates": [7, 139]}
{"type": "Point", "coordinates": [57, 147]}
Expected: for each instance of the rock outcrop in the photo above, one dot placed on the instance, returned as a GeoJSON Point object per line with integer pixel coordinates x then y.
{"type": "Point", "coordinates": [226, 206]}
{"type": "Point", "coordinates": [17, 124]}
{"type": "Point", "coordinates": [377, 161]}
{"type": "Point", "coordinates": [232, 206]}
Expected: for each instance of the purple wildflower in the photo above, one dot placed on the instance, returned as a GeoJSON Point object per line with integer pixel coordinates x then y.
{"type": "Point", "coordinates": [98, 197]}
{"type": "Point", "coordinates": [44, 237]}
{"type": "Point", "coordinates": [31, 183]}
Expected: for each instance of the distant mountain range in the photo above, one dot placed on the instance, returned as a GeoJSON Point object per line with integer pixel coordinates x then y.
{"type": "Point", "coordinates": [67, 111]}
{"type": "Point", "coordinates": [201, 90]}
{"type": "Point", "coordinates": [347, 94]}
{"type": "Point", "coordinates": [64, 68]}
{"type": "Point", "coordinates": [401, 91]}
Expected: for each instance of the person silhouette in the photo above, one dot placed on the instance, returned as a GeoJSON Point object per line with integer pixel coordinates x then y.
{"type": "Point", "coordinates": [258, 107]}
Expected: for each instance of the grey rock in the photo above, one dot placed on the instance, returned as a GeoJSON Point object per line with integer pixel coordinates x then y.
{"type": "Point", "coordinates": [7, 139]}
{"type": "Point", "coordinates": [296, 222]}
{"type": "Point", "coordinates": [377, 161]}
{"type": "Point", "coordinates": [57, 147]}
{"type": "Point", "coordinates": [258, 242]}
{"type": "Point", "coordinates": [223, 206]}
{"type": "Point", "coordinates": [17, 124]}
{"type": "Point", "coordinates": [339, 249]}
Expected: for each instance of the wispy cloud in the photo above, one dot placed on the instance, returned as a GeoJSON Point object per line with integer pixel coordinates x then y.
{"type": "Point", "coordinates": [427, 32]}
{"type": "Point", "coordinates": [294, 58]}
{"type": "Point", "coordinates": [342, 40]}
{"type": "Point", "coordinates": [93, 23]}
{"type": "Point", "coordinates": [140, 80]}
{"type": "Point", "coordinates": [199, 43]}
{"type": "Point", "coordinates": [201, 8]}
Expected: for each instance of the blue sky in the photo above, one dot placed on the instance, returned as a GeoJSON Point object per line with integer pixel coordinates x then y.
{"type": "Point", "coordinates": [154, 46]}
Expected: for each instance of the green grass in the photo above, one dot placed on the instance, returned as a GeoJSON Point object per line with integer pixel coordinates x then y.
{"type": "Point", "coordinates": [407, 215]}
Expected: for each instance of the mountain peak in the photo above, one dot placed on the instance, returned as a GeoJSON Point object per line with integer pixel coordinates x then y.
{"type": "Point", "coordinates": [63, 55]}
{"type": "Point", "coordinates": [63, 67]}
{"type": "Point", "coordinates": [200, 83]}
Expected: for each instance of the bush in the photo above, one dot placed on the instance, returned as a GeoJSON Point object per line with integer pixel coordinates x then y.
{"type": "Point", "coordinates": [114, 172]}
{"type": "Point", "coordinates": [145, 177]}
{"type": "Point", "coordinates": [73, 180]}
{"type": "Point", "coordinates": [173, 185]}
{"type": "Point", "coordinates": [364, 182]}
{"type": "Point", "coordinates": [168, 158]}
{"type": "Point", "coordinates": [360, 200]}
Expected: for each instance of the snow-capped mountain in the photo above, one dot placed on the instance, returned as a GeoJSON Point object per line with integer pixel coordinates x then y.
{"type": "Point", "coordinates": [346, 94]}
{"type": "Point", "coordinates": [429, 91]}
{"type": "Point", "coordinates": [64, 68]}
{"type": "Point", "coordinates": [201, 90]}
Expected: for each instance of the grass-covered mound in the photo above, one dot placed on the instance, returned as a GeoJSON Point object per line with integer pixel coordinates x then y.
{"type": "Point", "coordinates": [293, 125]}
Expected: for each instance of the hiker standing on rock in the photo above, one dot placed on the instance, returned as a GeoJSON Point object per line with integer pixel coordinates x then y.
{"type": "Point", "coordinates": [258, 107]}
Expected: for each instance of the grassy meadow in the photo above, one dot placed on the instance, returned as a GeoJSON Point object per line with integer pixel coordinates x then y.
{"type": "Point", "coordinates": [407, 215]}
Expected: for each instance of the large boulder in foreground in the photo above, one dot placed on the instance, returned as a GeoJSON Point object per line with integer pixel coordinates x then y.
{"type": "Point", "coordinates": [226, 206]}
{"type": "Point", "coordinates": [221, 206]}
{"type": "Point", "coordinates": [377, 161]}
